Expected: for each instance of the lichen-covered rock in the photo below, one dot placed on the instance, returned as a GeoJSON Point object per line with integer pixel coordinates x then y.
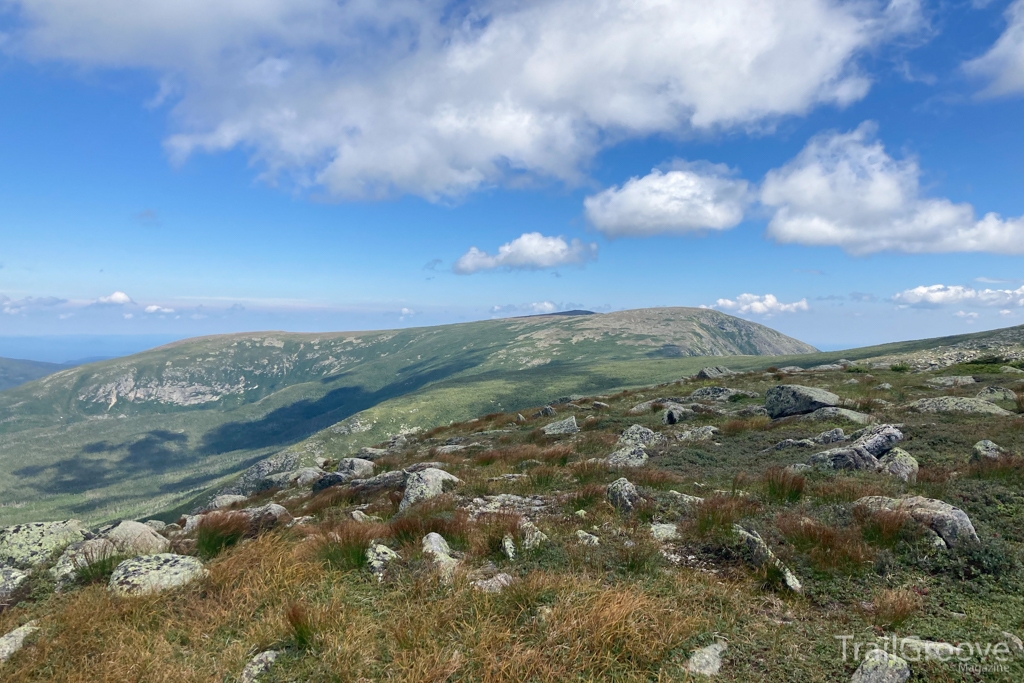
{"type": "Point", "coordinates": [705, 433]}
{"type": "Point", "coordinates": [707, 660]}
{"type": "Point", "coordinates": [584, 538]}
{"type": "Point", "coordinates": [155, 524]}
{"type": "Point", "coordinates": [530, 536]}
{"type": "Point", "coordinates": [795, 399]}
{"type": "Point", "coordinates": [720, 394]}
{"type": "Point", "coordinates": [25, 545]}
{"type": "Point", "coordinates": [266, 517]}
{"type": "Point", "coordinates": [80, 555]}
{"type": "Point", "coordinates": [958, 381]}
{"type": "Point", "coordinates": [562, 427]}
{"type": "Point", "coordinates": [638, 435]}
{"type": "Point", "coordinates": [622, 495]}
{"type": "Point", "coordinates": [495, 584]}
{"type": "Point", "coordinates": [951, 523]}
{"type": "Point", "coordinates": [257, 666]}
{"type": "Point", "coordinates": [426, 484]}
{"type": "Point", "coordinates": [762, 555]}
{"type": "Point", "coordinates": [900, 464]}
{"type": "Point", "coordinates": [997, 394]}
{"type": "Point", "coordinates": [633, 456]}
{"type": "Point", "coordinates": [832, 413]}
{"type": "Point", "coordinates": [675, 413]}
{"type": "Point", "coordinates": [863, 453]}
{"type": "Point", "coordinates": [15, 640]}
{"type": "Point", "coordinates": [378, 557]}
{"type": "Point", "coordinates": [135, 538]}
{"type": "Point", "coordinates": [1010, 370]}
{"type": "Point", "coordinates": [436, 549]}
{"type": "Point", "coordinates": [988, 450]}
{"type": "Point", "coordinates": [958, 405]}
{"type": "Point", "coordinates": [879, 666]}
{"type": "Point", "coordinates": [354, 468]}
{"type": "Point", "coordinates": [225, 500]}
{"type": "Point", "coordinates": [10, 580]}
{"type": "Point", "coordinates": [664, 532]}
{"type": "Point", "coordinates": [831, 436]}
{"type": "Point", "coordinates": [686, 499]}
{"type": "Point", "coordinates": [155, 573]}
{"type": "Point", "coordinates": [714, 372]}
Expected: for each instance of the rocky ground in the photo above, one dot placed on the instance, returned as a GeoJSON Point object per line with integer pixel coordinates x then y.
{"type": "Point", "coordinates": [849, 522]}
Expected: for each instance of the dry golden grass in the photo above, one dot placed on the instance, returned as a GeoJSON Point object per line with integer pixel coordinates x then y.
{"type": "Point", "coordinates": [845, 489]}
{"type": "Point", "coordinates": [828, 547]}
{"type": "Point", "coordinates": [654, 477]}
{"type": "Point", "coordinates": [757, 423]}
{"type": "Point", "coordinates": [895, 607]}
{"type": "Point", "coordinates": [717, 513]}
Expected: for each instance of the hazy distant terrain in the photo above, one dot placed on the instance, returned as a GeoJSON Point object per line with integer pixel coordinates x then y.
{"type": "Point", "coordinates": [14, 372]}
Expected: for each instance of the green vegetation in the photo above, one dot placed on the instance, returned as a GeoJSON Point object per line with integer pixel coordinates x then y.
{"type": "Point", "coordinates": [16, 372]}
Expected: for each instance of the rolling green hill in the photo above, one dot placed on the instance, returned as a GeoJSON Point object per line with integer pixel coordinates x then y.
{"type": "Point", "coordinates": [15, 372]}
{"type": "Point", "coordinates": [129, 436]}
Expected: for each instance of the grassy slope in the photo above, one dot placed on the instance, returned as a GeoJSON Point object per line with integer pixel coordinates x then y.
{"type": "Point", "coordinates": [15, 372]}
{"type": "Point", "coordinates": [92, 442]}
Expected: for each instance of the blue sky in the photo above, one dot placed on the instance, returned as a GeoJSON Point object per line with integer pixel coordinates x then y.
{"type": "Point", "coordinates": [848, 173]}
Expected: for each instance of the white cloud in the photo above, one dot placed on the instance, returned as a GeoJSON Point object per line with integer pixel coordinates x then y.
{"type": "Point", "coordinates": [1003, 65]}
{"type": "Point", "coordinates": [115, 299]}
{"type": "Point", "coordinates": [435, 99]}
{"type": "Point", "coordinates": [685, 198]}
{"type": "Point", "coordinates": [931, 296]}
{"type": "Point", "coordinates": [759, 305]}
{"type": "Point", "coordinates": [535, 308]}
{"type": "Point", "coordinates": [158, 309]}
{"type": "Point", "coordinates": [530, 251]}
{"type": "Point", "coordinates": [844, 190]}
{"type": "Point", "coordinates": [129, 316]}
{"type": "Point", "coordinates": [969, 316]}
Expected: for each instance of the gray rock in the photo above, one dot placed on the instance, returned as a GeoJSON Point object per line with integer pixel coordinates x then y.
{"type": "Point", "coordinates": [863, 453]}
{"type": "Point", "coordinates": [495, 584]}
{"type": "Point", "coordinates": [705, 433]}
{"type": "Point", "coordinates": [634, 456]}
{"type": "Point", "coordinates": [78, 556]}
{"type": "Point", "coordinates": [794, 399]}
{"type": "Point", "coordinates": [792, 443]}
{"type": "Point", "coordinates": [958, 405]}
{"type": "Point", "coordinates": [686, 499]}
{"type": "Point", "coordinates": [305, 476]}
{"type": "Point", "coordinates": [15, 640]}
{"type": "Point", "coordinates": [600, 405]}
{"type": "Point", "coordinates": [664, 532]}
{"type": "Point", "coordinates": [257, 666]}
{"type": "Point", "coordinates": [997, 394]}
{"type": "Point", "coordinates": [707, 660]}
{"type": "Point", "coordinates": [950, 381]}
{"type": "Point", "coordinates": [714, 372]}
{"type": "Point", "coordinates": [547, 411]}
{"type": "Point", "coordinates": [675, 413]}
{"type": "Point", "coordinates": [368, 453]}
{"type": "Point", "coordinates": [831, 436]}
{"type": "Point", "coordinates": [832, 413]}
{"type": "Point", "coordinates": [1010, 370]}
{"type": "Point", "coordinates": [436, 549]}
{"type": "Point", "coordinates": [155, 524]}
{"type": "Point", "coordinates": [155, 573]}
{"type": "Point", "coordinates": [900, 464]}
{"type": "Point", "coordinates": [622, 495]}
{"type": "Point", "coordinates": [719, 394]}
{"type": "Point", "coordinates": [951, 523]}
{"type": "Point", "coordinates": [507, 502]}
{"type": "Point", "coordinates": [762, 555]}
{"type": "Point", "coordinates": [355, 468]}
{"type": "Point", "coordinates": [255, 478]}
{"type": "Point", "coordinates": [508, 546]}
{"type": "Point", "coordinates": [10, 580]}
{"type": "Point", "coordinates": [384, 481]}
{"type": "Point", "coordinates": [378, 557]}
{"type": "Point", "coordinates": [988, 450]}
{"type": "Point", "coordinates": [884, 386]}
{"type": "Point", "coordinates": [330, 479]}
{"type": "Point", "coordinates": [266, 517]}
{"type": "Point", "coordinates": [1015, 644]}
{"type": "Point", "coordinates": [135, 538]}
{"type": "Point", "coordinates": [562, 427]}
{"type": "Point", "coordinates": [638, 435]}
{"type": "Point", "coordinates": [429, 483]}
{"type": "Point", "coordinates": [584, 538]}
{"type": "Point", "coordinates": [360, 516]}
{"type": "Point", "coordinates": [879, 666]}
{"type": "Point", "coordinates": [25, 545]}
{"type": "Point", "coordinates": [531, 536]}
{"type": "Point", "coordinates": [448, 449]}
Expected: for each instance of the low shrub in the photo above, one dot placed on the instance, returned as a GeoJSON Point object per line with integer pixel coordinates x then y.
{"type": "Point", "coordinates": [899, 367]}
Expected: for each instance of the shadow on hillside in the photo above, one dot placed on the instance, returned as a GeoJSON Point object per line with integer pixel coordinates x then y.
{"type": "Point", "coordinates": [298, 420]}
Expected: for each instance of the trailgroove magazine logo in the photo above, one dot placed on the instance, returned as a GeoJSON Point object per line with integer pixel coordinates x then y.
{"type": "Point", "coordinates": [975, 657]}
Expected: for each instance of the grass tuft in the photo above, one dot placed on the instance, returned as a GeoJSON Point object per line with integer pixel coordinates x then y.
{"type": "Point", "coordinates": [828, 547]}
{"type": "Point", "coordinates": [716, 514]}
{"type": "Point", "coordinates": [301, 626]}
{"type": "Point", "coordinates": [219, 530]}
{"type": "Point", "coordinates": [894, 607]}
{"type": "Point", "coordinates": [781, 485]}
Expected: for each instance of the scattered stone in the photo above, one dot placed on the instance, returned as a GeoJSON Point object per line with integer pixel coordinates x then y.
{"type": "Point", "coordinates": [958, 381]}
{"type": "Point", "coordinates": [582, 514]}
{"type": "Point", "coordinates": [794, 399]}
{"type": "Point", "coordinates": [426, 484]}
{"type": "Point", "coordinates": [494, 584]}
{"type": "Point", "coordinates": [10, 580]}
{"type": "Point", "coordinates": [714, 372]}
{"type": "Point", "coordinates": [25, 545]}
{"type": "Point", "coordinates": [531, 537]}
{"type": "Point", "coordinates": [378, 556]}
{"type": "Point", "coordinates": [547, 411]}
{"type": "Point", "coordinates": [584, 538]}
{"type": "Point", "coordinates": [949, 522]}
{"type": "Point", "coordinates": [15, 640]}
{"type": "Point", "coordinates": [863, 453]}
{"type": "Point", "coordinates": [792, 370]}
{"type": "Point", "coordinates": [879, 666]}
{"type": "Point", "coordinates": [707, 660]}
{"type": "Point", "coordinates": [155, 573]}
{"type": "Point", "coordinates": [664, 532]}
{"type": "Point", "coordinates": [354, 468]}
{"type": "Point", "coordinates": [704, 433]}
{"type": "Point", "coordinates": [988, 450]}
{"type": "Point", "coordinates": [509, 477]}
{"type": "Point", "coordinates": [675, 413]}
{"type": "Point", "coordinates": [634, 456]}
{"type": "Point", "coordinates": [638, 435]}
{"type": "Point", "coordinates": [900, 464]}
{"type": "Point", "coordinates": [436, 548]}
{"type": "Point", "coordinates": [361, 516]}
{"type": "Point", "coordinates": [832, 413]}
{"type": "Point", "coordinates": [225, 500]}
{"type": "Point", "coordinates": [78, 556]}
{"type": "Point", "coordinates": [958, 405]}
{"type": "Point", "coordinates": [420, 466]}
{"type": "Point", "coordinates": [266, 517]}
{"type": "Point", "coordinates": [155, 524]}
{"type": "Point", "coordinates": [792, 443]}
{"type": "Point", "coordinates": [367, 453]}
{"type": "Point", "coordinates": [831, 436]}
{"type": "Point", "coordinates": [562, 427]}
{"type": "Point", "coordinates": [928, 649]}
{"type": "Point", "coordinates": [884, 386]}
{"type": "Point", "coordinates": [720, 394]}
{"type": "Point", "coordinates": [600, 405]}
{"type": "Point", "coordinates": [507, 502]}
{"type": "Point", "coordinates": [762, 555]}
{"type": "Point", "coordinates": [622, 495]}
{"type": "Point", "coordinates": [135, 538]}
{"type": "Point", "coordinates": [686, 499]}
{"type": "Point", "coordinates": [997, 394]}
{"type": "Point", "coordinates": [257, 666]}
{"type": "Point", "coordinates": [852, 381]}
{"type": "Point", "coordinates": [328, 480]}
{"type": "Point", "coordinates": [1010, 370]}
{"type": "Point", "coordinates": [508, 547]}
{"type": "Point", "coordinates": [384, 481]}
{"type": "Point", "coordinates": [520, 418]}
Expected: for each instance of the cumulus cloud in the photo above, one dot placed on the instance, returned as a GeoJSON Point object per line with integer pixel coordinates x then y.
{"type": "Point", "coordinates": [754, 304]}
{"type": "Point", "coordinates": [530, 251]}
{"type": "Point", "coordinates": [115, 299]}
{"type": "Point", "coordinates": [844, 190]}
{"type": "Point", "coordinates": [1003, 65]}
{"type": "Point", "coordinates": [685, 198]}
{"type": "Point", "coordinates": [158, 309]}
{"type": "Point", "coordinates": [30, 303]}
{"type": "Point", "coordinates": [932, 296]}
{"type": "Point", "coordinates": [439, 99]}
